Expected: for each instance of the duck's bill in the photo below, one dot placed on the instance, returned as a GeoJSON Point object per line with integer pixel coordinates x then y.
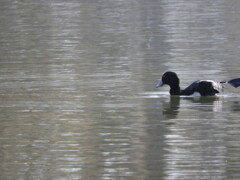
{"type": "Point", "coordinates": [159, 84]}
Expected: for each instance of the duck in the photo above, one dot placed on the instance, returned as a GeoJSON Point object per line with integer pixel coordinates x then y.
{"type": "Point", "coordinates": [202, 87]}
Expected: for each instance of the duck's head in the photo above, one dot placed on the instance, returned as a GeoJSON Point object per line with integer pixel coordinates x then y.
{"type": "Point", "coordinates": [169, 78]}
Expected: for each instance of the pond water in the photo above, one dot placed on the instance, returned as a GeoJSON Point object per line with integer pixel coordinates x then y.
{"type": "Point", "coordinates": [78, 96]}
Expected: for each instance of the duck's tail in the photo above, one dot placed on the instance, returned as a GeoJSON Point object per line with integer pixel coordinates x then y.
{"type": "Point", "coordinates": [234, 82]}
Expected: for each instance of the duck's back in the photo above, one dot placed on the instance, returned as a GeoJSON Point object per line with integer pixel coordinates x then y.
{"type": "Point", "coordinates": [204, 87]}
{"type": "Point", "coordinates": [209, 87]}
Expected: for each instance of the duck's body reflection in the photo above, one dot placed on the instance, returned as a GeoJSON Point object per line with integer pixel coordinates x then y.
{"type": "Point", "coordinates": [171, 109]}
{"type": "Point", "coordinates": [194, 136]}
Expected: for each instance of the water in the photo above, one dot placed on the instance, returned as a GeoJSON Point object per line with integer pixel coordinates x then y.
{"type": "Point", "coordinates": [78, 97]}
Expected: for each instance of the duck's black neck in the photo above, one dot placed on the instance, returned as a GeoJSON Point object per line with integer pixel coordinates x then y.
{"type": "Point", "coordinates": [175, 89]}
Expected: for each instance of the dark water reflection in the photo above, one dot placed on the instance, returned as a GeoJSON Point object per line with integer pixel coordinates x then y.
{"type": "Point", "coordinates": [77, 90]}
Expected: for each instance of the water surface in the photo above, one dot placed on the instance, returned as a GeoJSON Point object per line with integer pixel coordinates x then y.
{"type": "Point", "coordinates": [78, 97]}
